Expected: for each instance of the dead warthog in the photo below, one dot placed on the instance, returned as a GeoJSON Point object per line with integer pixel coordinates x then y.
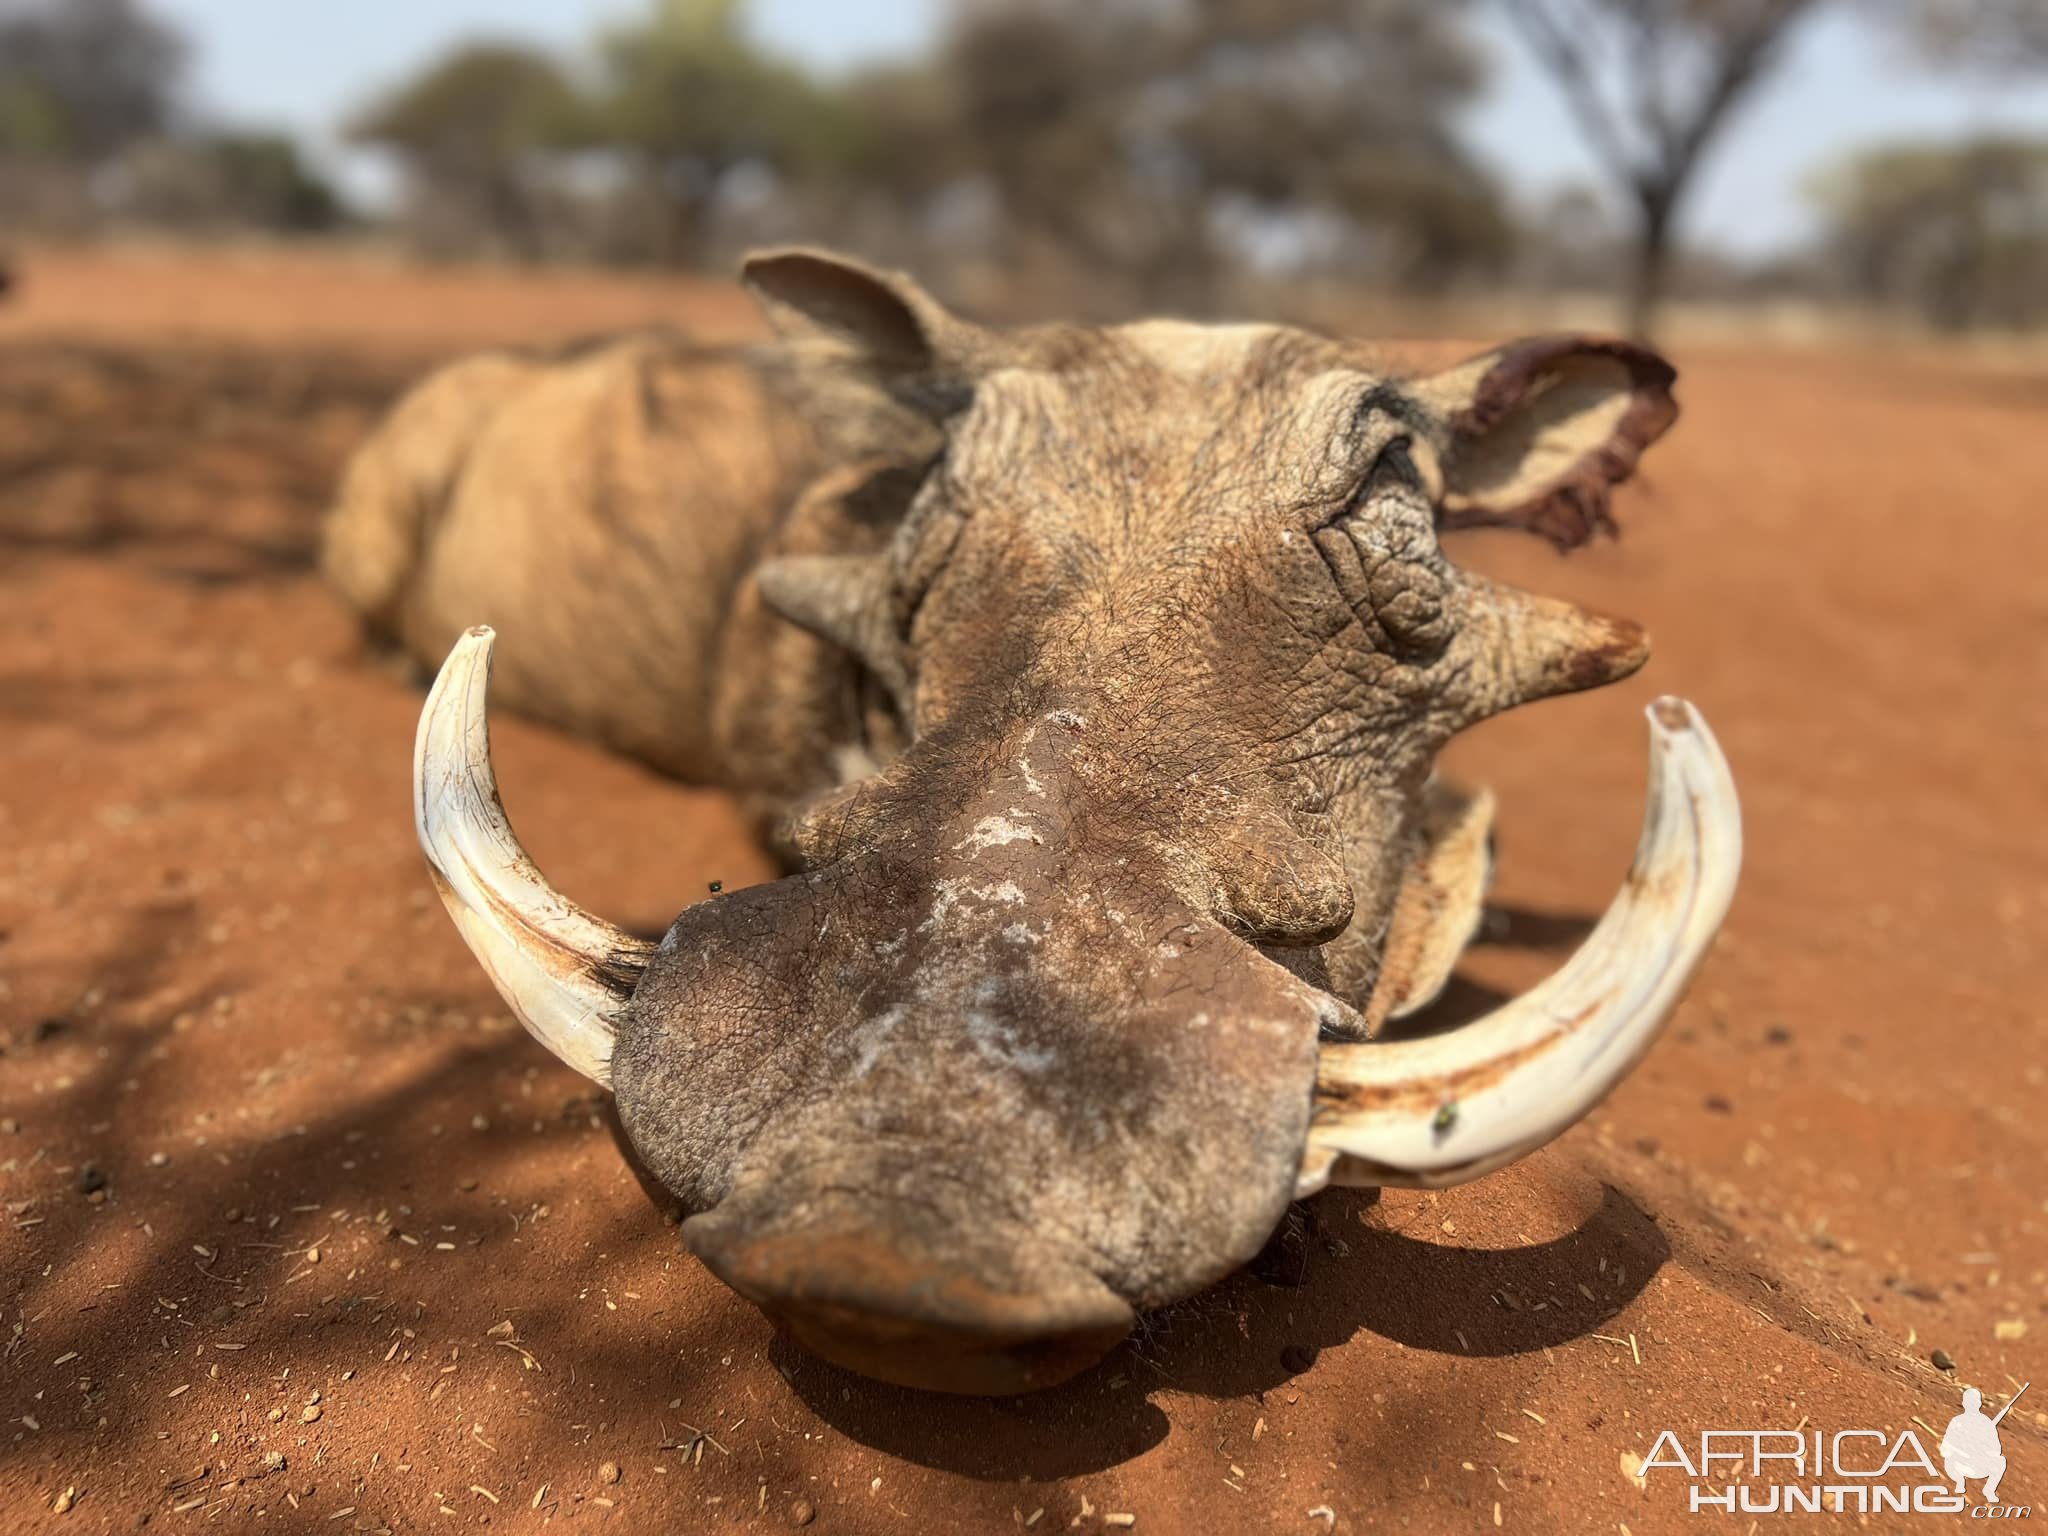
{"type": "Point", "coordinates": [1110, 666]}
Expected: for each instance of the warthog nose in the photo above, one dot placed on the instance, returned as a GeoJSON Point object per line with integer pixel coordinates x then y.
{"type": "Point", "coordinates": [996, 1323]}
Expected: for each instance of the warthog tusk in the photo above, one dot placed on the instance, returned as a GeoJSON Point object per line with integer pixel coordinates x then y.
{"type": "Point", "coordinates": [567, 975]}
{"type": "Point", "coordinates": [1440, 1110]}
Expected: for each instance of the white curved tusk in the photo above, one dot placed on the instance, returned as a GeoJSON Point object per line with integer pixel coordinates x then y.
{"type": "Point", "coordinates": [1441, 1110]}
{"type": "Point", "coordinates": [567, 975]}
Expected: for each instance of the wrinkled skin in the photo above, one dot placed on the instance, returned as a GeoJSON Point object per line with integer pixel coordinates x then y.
{"type": "Point", "coordinates": [1118, 665]}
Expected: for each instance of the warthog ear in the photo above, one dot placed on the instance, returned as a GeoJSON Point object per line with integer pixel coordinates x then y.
{"type": "Point", "coordinates": [1541, 431]}
{"type": "Point", "coordinates": [881, 321]}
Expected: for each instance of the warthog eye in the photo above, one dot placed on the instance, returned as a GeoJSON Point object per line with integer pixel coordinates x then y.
{"type": "Point", "coordinates": [1381, 553]}
{"type": "Point", "coordinates": [1391, 473]}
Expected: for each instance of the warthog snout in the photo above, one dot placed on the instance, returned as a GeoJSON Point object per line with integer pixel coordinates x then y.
{"type": "Point", "coordinates": [996, 1082]}
{"type": "Point", "coordinates": [865, 1283]}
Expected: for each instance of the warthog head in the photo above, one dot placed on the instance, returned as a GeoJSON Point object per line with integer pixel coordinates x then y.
{"type": "Point", "coordinates": [1074, 993]}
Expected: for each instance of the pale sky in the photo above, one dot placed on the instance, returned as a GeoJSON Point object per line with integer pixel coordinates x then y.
{"type": "Point", "coordinates": [1843, 84]}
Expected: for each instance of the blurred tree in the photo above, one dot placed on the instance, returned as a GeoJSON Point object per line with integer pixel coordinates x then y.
{"type": "Point", "coordinates": [690, 94]}
{"type": "Point", "coordinates": [1341, 111]}
{"type": "Point", "coordinates": [904, 140]}
{"type": "Point", "coordinates": [1651, 83]}
{"type": "Point", "coordinates": [82, 79]}
{"type": "Point", "coordinates": [1047, 95]}
{"type": "Point", "coordinates": [470, 129]}
{"type": "Point", "coordinates": [226, 181]}
{"type": "Point", "coordinates": [270, 185]}
{"type": "Point", "coordinates": [1998, 35]}
{"type": "Point", "coordinates": [1957, 233]}
{"type": "Point", "coordinates": [1138, 135]}
{"type": "Point", "coordinates": [90, 128]}
{"type": "Point", "coordinates": [896, 180]}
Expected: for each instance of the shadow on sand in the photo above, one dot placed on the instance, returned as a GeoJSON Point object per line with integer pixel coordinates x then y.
{"type": "Point", "coordinates": [206, 465]}
{"type": "Point", "coordinates": [1310, 1290]}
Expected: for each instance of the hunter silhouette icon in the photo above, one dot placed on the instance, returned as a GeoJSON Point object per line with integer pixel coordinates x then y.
{"type": "Point", "coordinates": [1970, 1447]}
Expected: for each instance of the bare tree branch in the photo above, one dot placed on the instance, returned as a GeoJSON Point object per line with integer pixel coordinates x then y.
{"type": "Point", "coordinates": [1629, 51]}
{"type": "Point", "coordinates": [1550, 38]}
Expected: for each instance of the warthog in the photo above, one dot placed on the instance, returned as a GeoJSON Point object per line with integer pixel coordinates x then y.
{"type": "Point", "coordinates": [1100, 673]}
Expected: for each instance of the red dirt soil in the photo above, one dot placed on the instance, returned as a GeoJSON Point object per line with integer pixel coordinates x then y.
{"type": "Point", "coordinates": [302, 1233]}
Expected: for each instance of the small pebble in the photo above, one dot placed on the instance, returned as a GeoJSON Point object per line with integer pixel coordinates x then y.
{"type": "Point", "coordinates": [1943, 1360]}
{"type": "Point", "coordinates": [9, 1126]}
{"type": "Point", "coordinates": [63, 1502]}
{"type": "Point", "coordinates": [802, 1512]}
{"type": "Point", "coordinates": [309, 1413]}
{"type": "Point", "coordinates": [608, 1473]}
{"type": "Point", "coordinates": [90, 1178]}
{"type": "Point", "coordinates": [158, 1159]}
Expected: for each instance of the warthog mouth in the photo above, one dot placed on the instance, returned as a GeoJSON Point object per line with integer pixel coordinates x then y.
{"type": "Point", "coordinates": [955, 1297]}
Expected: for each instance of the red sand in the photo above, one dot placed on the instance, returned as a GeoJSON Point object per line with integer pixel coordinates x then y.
{"type": "Point", "coordinates": [226, 986]}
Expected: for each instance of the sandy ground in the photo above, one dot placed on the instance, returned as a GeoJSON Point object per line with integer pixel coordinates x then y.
{"type": "Point", "coordinates": [301, 1232]}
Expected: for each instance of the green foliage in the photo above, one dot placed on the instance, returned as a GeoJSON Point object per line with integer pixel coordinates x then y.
{"type": "Point", "coordinates": [225, 182]}
{"type": "Point", "coordinates": [32, 121]}
{"type": "Point", "coordinates": [1124, 131]}
{"type": "Point", "coordinates": [271, 185]}
{"type": "Point", "coordinates": [81, 79]}
{"type": "Point", "coordinates": [478, 109]}
{"type": "Point", "coordinates": [688, 84]}
{"type": "Point", "coordinates": [902, 138]}
{"type": "Point", "coordinates": [682, 94]}
{"type": "Point", "coordinates": [1996, 36]}
{"type": "Point", "coordinates": [91, 86]}
{"type": "Point", "coordinates": [1121, 135]}
{"type": "Point", "coordinates": [1957, 233]}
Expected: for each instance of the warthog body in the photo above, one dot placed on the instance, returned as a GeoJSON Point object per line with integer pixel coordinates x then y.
{"type": "Point", "coordinates": [1095, 678]}
{"type": "Point", "coordinates": [607, 507]}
